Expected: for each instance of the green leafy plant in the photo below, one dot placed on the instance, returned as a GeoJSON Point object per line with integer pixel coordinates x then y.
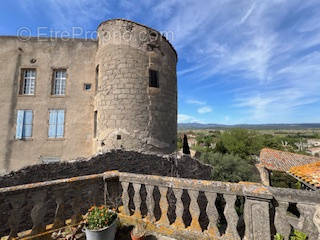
{"type": "Point", "coordinates": [297, 235]}
{"type": "Point", "coordinates": [278, 236]}
{"type": "Point", "coordinates": [99, 217]}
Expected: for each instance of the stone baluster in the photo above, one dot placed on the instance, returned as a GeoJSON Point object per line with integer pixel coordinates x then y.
{"type": "Point", "coordinates": [212, 214]}
{"type": "Point", "coordinates": [16, 201]}
{"type": "Point", "coordinates": [316, 219]}
{"type": "Point", "coordinates": [194, 211]}
{"type": "Point", "coordinates": [163, 206]}
{"type": "Point", "coordinates": [232, 218]}
{"type": "Point", "coordinates": [137, 200]}
{"type": "Point", "coordinates": [257, 218]}
{"type": "Point", "coordinates": [125, 198]}
{"type": "Point", "coordinates": [179, 223]}
{"type": "Point", "coordinates": [38, 212]}
{"type": "Point", "coordinates": [281, 221]}
{"type": "Point", "coordinates": [306, 221]}
{"type": "Point", "coordinates": [59, 218]}
{"type": "Point", "coordinates": [150, 203]}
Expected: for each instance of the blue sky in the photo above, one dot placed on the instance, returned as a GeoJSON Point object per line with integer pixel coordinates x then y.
{"type": "Point", "coordinates": [240, 61]}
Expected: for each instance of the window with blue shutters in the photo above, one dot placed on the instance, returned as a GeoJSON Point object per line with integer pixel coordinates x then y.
{"type": "Point", "coordinates": [56, 123]}
{"type": "Point", "coordinates": [24, 124]}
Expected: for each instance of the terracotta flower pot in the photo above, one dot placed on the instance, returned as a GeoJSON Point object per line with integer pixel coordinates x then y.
{"type": "Point", "coordinates": [136, 237]}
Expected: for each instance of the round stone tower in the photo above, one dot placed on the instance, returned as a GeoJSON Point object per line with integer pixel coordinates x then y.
{"type": "Point", "coordinates": [136, 99]}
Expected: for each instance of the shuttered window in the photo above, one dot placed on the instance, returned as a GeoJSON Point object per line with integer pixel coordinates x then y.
{"type": "Point", "coordinates": [59, 82]}
{"type": "Point", "coordinates": [56, 123]}
{"type": "Point", "coordinates": [24, 124]}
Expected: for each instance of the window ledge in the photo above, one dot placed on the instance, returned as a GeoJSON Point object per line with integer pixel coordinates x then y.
{"type": "Point", "coordinates": [26, 95]}
{"type": "Point", "coordinates": [57, 96]}
{"type": "Point", "coordinates": [56, 139]}
{"type": "Point", "coordinates": [24, 139]}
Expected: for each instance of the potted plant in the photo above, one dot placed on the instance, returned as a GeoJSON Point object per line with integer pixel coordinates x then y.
{"type": "Point", "coordinates": [138, 232]}
{"type": "Point", "coordinates": [100, 223]}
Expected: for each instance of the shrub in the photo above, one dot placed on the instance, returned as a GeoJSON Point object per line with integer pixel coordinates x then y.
{"type": "Point", "coordinates": [99, 217]}
{"type": "Point", "coordinates": [230, 168]}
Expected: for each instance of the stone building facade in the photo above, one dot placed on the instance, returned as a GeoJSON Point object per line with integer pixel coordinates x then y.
{"type": "Point", "coordinates": [62, 99]}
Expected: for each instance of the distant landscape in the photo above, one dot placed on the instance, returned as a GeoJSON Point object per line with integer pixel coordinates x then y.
{"type": "Point", "coordinates": [233, 150]}
{"type": "Point", "coordinates": [186, 126]}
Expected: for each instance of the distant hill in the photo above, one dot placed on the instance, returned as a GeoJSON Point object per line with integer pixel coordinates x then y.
{"type": "Point", "coordinates": [184, 126]}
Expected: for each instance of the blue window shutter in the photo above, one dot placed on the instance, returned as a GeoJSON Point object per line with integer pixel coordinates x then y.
{"type": "Point", "coordinates": [27, 124]}
{"type": "Point", "coordinates": [60, 124]}
{"type": "Point", "coordinates": [52, 124]}
{"type": "Point", "coordinates": [19, 128]}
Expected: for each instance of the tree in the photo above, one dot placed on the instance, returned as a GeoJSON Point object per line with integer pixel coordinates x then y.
{"type": "Point", "coordinates": [230, 168]}
{"type": "Point", "coordinates": [241, 142]}
{"type": "Point", "coordinates": [186, 149]}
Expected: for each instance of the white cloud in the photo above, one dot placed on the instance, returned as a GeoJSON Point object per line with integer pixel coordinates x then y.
{"type": "Point", "coordinates": [248, 13]}
{"type": "Point", "coordinates": [265, 54]}
{"type": "Point", "coordinates": [196, 102]}
{"type": "Point", "coordinates": [184, 118]}
{"type": "Point", "coordinates": [205, 109]}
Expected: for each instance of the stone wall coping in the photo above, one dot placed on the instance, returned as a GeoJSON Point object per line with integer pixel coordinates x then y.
{"type": "Point", "coordinates": [51, 183]}
{"type": "Point", "coordinates": [47, 39]}
{"type": "Point", "coordinates": [295, 195]}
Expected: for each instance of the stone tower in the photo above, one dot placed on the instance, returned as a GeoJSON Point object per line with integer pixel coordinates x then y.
{"type": "Point", "coordinates": [136, 98]}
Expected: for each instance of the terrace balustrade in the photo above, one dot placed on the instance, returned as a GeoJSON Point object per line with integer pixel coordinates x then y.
{"type": "Point", "coordinates": [177, 207]}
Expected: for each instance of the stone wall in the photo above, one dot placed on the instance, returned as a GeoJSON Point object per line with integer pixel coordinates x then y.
{"type": "Point", "coordinates": [132, 162]}
{"type": "Point", "coordinates": [77, 57]}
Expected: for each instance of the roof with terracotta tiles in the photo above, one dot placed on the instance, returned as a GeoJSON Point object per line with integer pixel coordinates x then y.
{"type": "Point", "coordinates": [276, 160]}
{"type": "Point", "coordinates": [309, 173]}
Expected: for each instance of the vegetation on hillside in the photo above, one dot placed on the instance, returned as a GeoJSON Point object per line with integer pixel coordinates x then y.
{"type": "Point", "coordinates": [233, 153]}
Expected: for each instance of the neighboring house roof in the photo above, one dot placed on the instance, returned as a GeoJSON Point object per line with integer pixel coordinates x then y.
{"type": "Point", "coordinates": [276, 160]}
{"type": "Point", "coordinates": [309, 173]}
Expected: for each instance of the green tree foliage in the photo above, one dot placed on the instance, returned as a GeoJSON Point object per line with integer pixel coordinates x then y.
{"type": "Point", "coordinates": [179, 143]}
{"type": "Point", "coordinates": [270, 141]}
{"type": "Point", "coordinates": [241, 142]}
{"type": "Point", "coordinates": [283, 180]}
{"type": "Point", "coordinates": [230, 168]}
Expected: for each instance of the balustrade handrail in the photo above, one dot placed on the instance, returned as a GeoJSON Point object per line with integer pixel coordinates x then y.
{"type": "Point", "coordinates": [50, 183]}
{"type": "Point", "coordinates": [243, 188]}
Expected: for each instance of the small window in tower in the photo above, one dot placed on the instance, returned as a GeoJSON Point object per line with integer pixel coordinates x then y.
{"type": "Point", "coordinates": [87, 86]}
{"type": "Point", "coordinates": [118, 137]}
{"type": "Point", "coordinates": [95, 124]}
{"type": "Point", "coordinates": [97, 78]}
{"type": "Point", "coordinates": [153, 78]}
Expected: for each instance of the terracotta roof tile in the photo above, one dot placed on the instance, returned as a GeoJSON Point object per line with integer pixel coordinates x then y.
{"type": "Point", "coordinates": [282, 161]}
{"type": "Point", "coordinates": [309, 173]}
